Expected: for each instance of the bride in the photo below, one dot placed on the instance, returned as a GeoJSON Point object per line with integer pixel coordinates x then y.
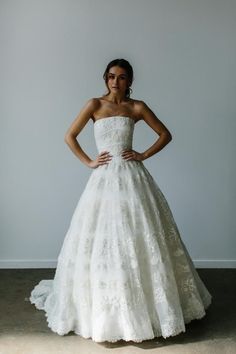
{"type": "Point", "coordinates": [123, 271]}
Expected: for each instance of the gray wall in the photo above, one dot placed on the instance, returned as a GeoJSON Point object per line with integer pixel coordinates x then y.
{"type": "Point", "coordinates": [53, 55]}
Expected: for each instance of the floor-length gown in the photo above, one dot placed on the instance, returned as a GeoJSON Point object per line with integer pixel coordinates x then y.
{"type": "Point", "coordinates": [123, 271]}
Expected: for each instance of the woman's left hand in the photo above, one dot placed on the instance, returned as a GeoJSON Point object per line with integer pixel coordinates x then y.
{"type": "Point", "coordinates": [132, 155]}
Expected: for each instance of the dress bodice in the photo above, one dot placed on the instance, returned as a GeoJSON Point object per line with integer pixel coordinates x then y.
{"type": "Point", "coordinates": [114, 134]}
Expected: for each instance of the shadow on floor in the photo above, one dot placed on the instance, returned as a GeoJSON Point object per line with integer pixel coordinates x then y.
{"type": "Point", "coordinates": [18, 316]}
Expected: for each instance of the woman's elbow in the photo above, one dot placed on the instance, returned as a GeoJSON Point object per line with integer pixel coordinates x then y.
{"type": "Point", "coordinates": [168, 136]}
{"type": "Point", "coordinates": [67, 138]}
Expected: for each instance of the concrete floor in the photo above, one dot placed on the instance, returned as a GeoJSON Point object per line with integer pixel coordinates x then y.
{"type": "Point", "coordinates": [23, 328]}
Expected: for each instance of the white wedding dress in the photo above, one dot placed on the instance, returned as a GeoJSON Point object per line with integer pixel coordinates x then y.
{"type": "Point", "coordinates": [123, 271]}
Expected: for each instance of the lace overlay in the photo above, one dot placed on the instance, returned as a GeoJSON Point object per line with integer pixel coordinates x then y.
{"type": "Point", "coordinates": [123, 271]}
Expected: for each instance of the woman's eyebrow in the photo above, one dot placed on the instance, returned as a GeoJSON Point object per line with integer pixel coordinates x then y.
{"type": "Point", "coordinates": [118, 75]}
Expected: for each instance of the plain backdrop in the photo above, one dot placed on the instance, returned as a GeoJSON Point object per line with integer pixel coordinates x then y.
{"type": "Point", "coordinates": [53, 56]}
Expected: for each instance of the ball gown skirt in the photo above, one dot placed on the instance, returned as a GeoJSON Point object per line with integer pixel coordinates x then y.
{"type": "Point", "coordinates": [123, 271]}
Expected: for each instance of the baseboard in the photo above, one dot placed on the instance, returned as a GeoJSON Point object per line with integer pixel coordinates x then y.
{"type": "Point", "coordinates": [30, 263]}
{"type": "Point", "coordinates": [215, 263]}
{"type": "Point", "coordinates": [52, 263]}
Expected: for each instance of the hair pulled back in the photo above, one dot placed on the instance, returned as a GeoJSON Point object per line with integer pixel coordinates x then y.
{"type": "Point", "coordinates": [122, 63]}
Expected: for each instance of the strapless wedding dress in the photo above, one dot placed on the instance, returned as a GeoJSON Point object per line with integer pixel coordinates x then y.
{"type": "Point", "coordinates": [123, 271]}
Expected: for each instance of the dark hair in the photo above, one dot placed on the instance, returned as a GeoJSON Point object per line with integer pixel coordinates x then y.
{"type": "Point", "coordinates": [122, 63]}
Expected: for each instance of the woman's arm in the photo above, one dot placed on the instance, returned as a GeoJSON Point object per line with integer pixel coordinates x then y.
{"type": "Point", "coordinates": [164, 134]}
{"type": "Point", "coordinates": [76, 127]}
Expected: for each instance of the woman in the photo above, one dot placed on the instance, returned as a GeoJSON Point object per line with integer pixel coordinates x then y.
{"type": "Point", "coordinates": [123, 272]}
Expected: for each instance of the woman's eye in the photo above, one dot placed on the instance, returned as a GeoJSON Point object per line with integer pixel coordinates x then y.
{"type": "Point", "coordinates": [121, 77]}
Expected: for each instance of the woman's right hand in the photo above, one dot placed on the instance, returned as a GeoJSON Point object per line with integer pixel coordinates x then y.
{"type": "Point", "coordinates": [102, 159]}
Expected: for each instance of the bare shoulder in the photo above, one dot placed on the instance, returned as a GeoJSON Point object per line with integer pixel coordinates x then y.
{"type": "Point", "coordinates": [145, 113]}
{"type": "Point", "coordinates": [92, 104]}
{"type": "Point", "coordinates": [90, 107]}
{"type": "Point", "coordinates": [135, 109]}
{"type": "Point", "coordinates": [141, 107]}
{"type": "Point", "coordinates": [86, 112]}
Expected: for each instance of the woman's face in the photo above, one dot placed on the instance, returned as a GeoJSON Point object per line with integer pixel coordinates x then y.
{"type": "Point", "coordinates": [117, 80]}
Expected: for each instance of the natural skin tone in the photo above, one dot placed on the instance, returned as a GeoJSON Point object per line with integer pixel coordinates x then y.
{"type": "Point", "coordinates": [116, 104]}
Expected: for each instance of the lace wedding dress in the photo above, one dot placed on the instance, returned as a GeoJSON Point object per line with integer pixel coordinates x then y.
{"type": "Point", "coordinates": [123, 271]}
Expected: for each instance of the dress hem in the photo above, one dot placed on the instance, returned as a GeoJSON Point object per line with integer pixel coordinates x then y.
{"type": "Point", "coordinates": [137, 340]}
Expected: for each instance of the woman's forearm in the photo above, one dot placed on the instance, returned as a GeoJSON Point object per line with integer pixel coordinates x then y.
{"type": "Point", "coordinates": [161, 142]}
{"type": "Point", "coordinates": [77, 150]}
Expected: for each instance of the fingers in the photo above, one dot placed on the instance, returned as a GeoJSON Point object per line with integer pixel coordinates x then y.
{"type": "Point", "coordinates": [103, 152]}
{"type": "Point", "coordinates": [104, 157]}
{"type": "Point", "coordinates": [128, 154]}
